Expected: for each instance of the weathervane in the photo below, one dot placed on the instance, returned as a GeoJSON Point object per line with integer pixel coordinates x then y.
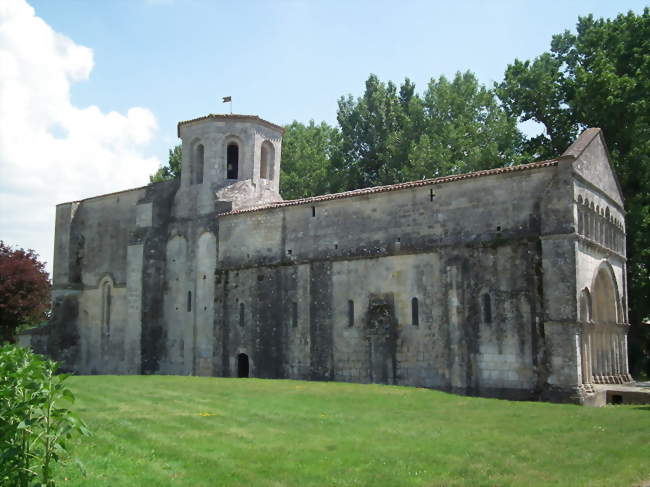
{"type": "Point", "coordinates": [227, 99]}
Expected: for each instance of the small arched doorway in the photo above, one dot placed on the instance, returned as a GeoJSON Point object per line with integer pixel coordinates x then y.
{"type": "Point", "coordinates": [242, 365]}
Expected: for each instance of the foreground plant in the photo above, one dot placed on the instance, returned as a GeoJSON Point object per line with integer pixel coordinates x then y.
{"type": "Point", "coordinates": [34, 427]}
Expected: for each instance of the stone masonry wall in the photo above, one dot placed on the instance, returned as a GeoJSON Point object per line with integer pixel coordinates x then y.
{"type": "Point", "coordinates": [325, 291]}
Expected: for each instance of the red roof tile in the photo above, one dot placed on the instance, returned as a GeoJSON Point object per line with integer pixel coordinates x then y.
{"type": "Point", "coordinates": [395, 187]}
{"type": "Point", "coordinates": [213, 116]}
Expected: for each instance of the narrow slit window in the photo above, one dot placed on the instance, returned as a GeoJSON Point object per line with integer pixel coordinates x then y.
{"type": "Point", "coordinates": [189, 301]}
{"type": "Point", "coordinates": [415, 312]}
{"type": "Point", "coordinates": [313, 211]}
{"type": "Point", "coordinates": [106, 305]}
{"type": "Point", "coordinates": [350, 313]}
{"type": "Point", "coordinates": [487, 308]}
{"type": "Point", "coordinates": [294, 314]}
{"type": "Point", "coordinates": [241, 314]}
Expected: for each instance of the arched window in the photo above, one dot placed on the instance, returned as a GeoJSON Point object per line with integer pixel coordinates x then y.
{"type": "Point", "coordinates": [266, 160]}
{"type": "Point", "coordinates": [486, 304]}
{"type": "Point", "coordinates": [197, 165]}
{"type": "Point", "coordinates": [232, 161]}
{"type": "Point", "coordinates": [581, 220]}
{"type": "Point", "coordinates": [415, 312]}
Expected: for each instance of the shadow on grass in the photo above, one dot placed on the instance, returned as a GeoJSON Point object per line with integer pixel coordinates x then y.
{"type": "Point", "coordinates": [643, 408]}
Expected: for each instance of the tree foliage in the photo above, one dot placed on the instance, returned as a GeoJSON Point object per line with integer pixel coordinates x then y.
{"type": "Point", "coordinates": [307, 152]}
{"type": "Point", "coordinates": [172, 169]}
{"type": "Point", "coordinates": [392, 135]}
{"type": "Point", "coordinates": [599, 77]}
{"type": "Point", "coordinates": [24, 290]}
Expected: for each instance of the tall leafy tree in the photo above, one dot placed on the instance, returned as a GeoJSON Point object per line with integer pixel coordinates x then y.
{"type": "Point", "coordinates": [24, 291]}
{"type": "Point", "coordinates": [370, 130]}
{"type": "Point", "coordinates": [600, 77]}
{"type": "Point", "coordinates": [172, 169]}
{"type": "Point", "coordinates": [465, 130]}
{"type": "Point", "coordinates": [307, 152]}
{"type": "Point", "coordinates": [390, 135]}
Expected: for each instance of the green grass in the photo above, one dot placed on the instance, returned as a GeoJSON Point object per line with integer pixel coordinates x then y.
{"type": "Point", "coordinates": [180, 431]}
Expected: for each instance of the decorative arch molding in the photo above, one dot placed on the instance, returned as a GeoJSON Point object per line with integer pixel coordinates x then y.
{"type": "Point", "coordinates": [605, 295]}
{"type": "Point", "coordinates": [230, 138]}
{"type": "Point", "coordinates": [106, 277]}
{"type": "Point", "coordinates": [206, 241]}
{"type": "Point", "coordinates": [267, 134]}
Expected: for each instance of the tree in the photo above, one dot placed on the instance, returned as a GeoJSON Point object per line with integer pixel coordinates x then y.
{"type": "Point", "coordinates": [600, 77]}
{"type": "Point", "coordinates": [24, 291]}
{"type": "Point", "coordinates": [465, 130]}
{"type": "Point", "coordinates": [306, 159]}
{"type": "Point", "coordinates": [172, 169]}
{"type": "Point", "coordinates": [456, 126]}
{"type": "Point", "coordinates": [371, 129]}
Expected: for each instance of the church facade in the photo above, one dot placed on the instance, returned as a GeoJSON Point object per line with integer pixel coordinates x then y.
{"type": "Point", "coordinates": [508, 282]}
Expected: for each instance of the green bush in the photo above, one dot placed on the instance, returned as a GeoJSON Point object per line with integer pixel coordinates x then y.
{"type": "Point", "coordinates": [34, 427]}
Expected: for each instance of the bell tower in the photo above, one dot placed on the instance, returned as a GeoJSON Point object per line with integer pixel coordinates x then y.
{"type": "Point", "coordinates": [230, 158]}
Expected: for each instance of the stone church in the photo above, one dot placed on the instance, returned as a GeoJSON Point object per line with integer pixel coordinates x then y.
{"type": "Point", "coordinates": [508, 282]}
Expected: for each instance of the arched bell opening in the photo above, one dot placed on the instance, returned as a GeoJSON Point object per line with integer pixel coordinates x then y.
{"type": "Point", "coordinates": [267, 160]}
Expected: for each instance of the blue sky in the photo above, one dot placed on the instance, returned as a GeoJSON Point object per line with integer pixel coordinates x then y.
{"type": "Point", "coordinates": [91, 91]}
{"type": "Point", "coordinates": [292, 59]}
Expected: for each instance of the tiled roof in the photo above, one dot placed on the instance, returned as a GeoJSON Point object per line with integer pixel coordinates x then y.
{"type": "Point", "coordinates": [213, 116]}
{"type": "Point", "coordinates": [395, 187]}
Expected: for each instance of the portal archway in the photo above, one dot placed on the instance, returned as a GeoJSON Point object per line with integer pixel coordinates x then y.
{"type": "Point", "coordinates": [604, 343]}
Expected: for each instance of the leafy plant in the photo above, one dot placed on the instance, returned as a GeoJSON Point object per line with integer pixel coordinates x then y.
{"type": "Point", "coordinates": [172, 169]}
{"type": "Point", "coordinates": [34, 427]}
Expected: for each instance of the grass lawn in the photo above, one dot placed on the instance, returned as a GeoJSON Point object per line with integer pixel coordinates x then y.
{"type": "Point", "coordinates": [181, 431]}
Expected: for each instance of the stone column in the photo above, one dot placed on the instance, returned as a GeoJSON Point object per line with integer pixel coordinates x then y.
{"type": "Point", "coordinates": [602, 366]}
{"type": "Point", "coordinates": [626, 369]}
{"type": "Point", "coordinates": [583, 354]}
{"type": "Point", "coordinates": [616, 355]}
{"type": "Point", "coordinates": [607, 372]}
{"type": "Point", "coordinates": [590, 365]}
{"type": "Point", "coordinates": [595, 355]}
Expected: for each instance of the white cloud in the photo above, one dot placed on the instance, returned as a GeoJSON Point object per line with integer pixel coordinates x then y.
{"type": "Point", "coordinates": [50, 150]}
